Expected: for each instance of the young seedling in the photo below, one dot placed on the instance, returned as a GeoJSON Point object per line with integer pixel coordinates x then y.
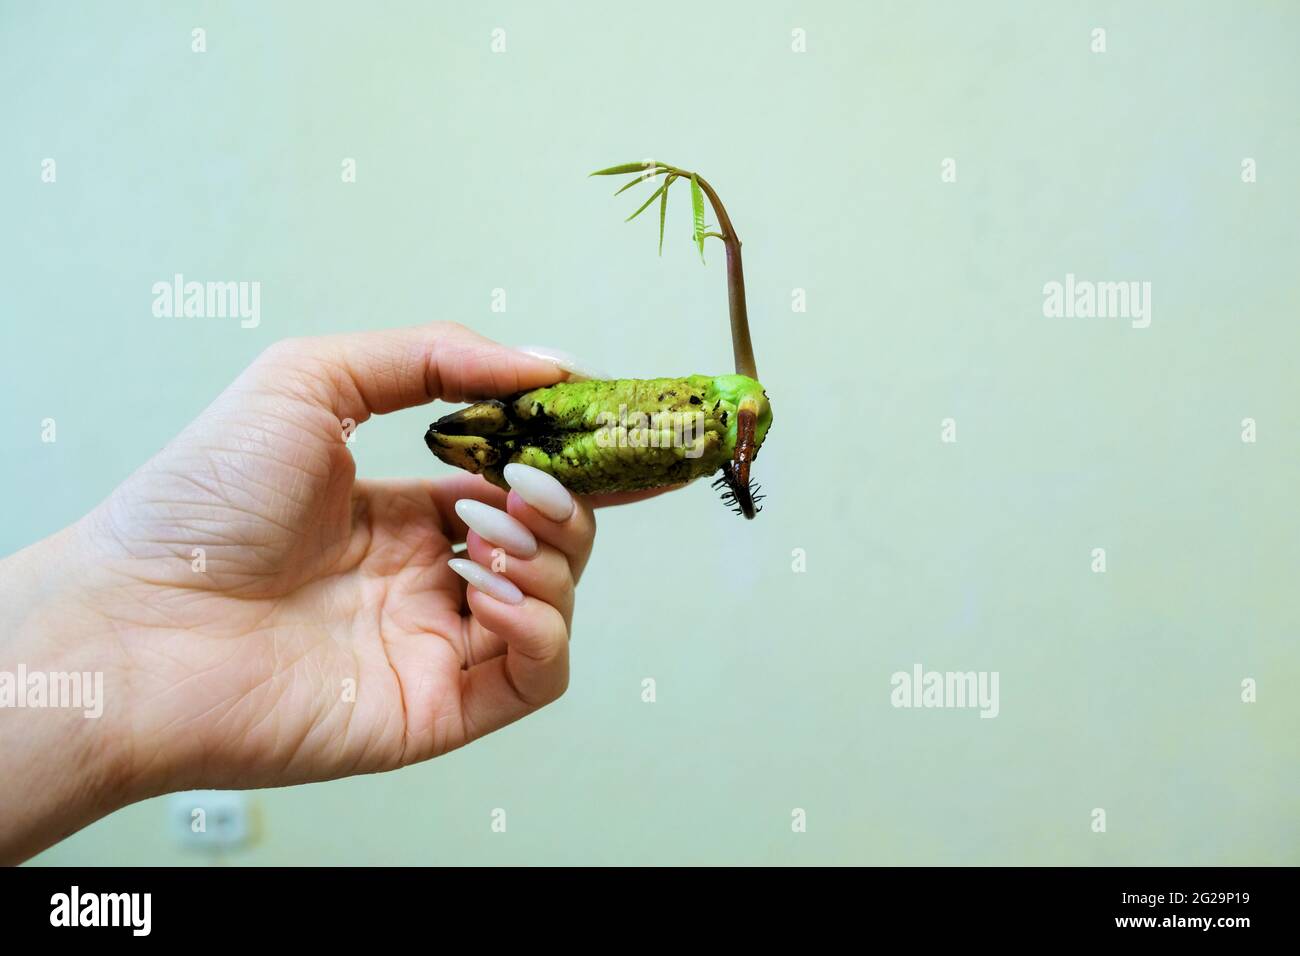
{"type": "Point", "coordinates": [628, 434]}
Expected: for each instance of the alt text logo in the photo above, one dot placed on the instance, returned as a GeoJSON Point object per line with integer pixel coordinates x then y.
{"type": "Point", "coordinates": [102, 909]}
{"type": "Point", "coordinates": [1084, 299]}
{"type": "Point", "coordinates": [179, 299]}
{"type": "Point", "coordinates": [663, 429]}
{"type": "Point", "coordinates": [946, 689]}
{"type": "Point", "coordinates": [78, 690]}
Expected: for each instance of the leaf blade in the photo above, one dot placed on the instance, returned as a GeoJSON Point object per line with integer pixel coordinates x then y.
{"type": "Point", "coordinates": [645, 205]}
{"type": "Point", "coordinates": [642, 179]}
{"type": "Point", "coordinates": [620, 170]}
{"type": "Point", "coordinates": [663, 210]}
{"type": "Point", "coordinates": [697, 214]}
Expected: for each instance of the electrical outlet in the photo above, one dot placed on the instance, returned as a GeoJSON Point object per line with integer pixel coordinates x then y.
{"type": "Point", "coordinates": [210, 819]}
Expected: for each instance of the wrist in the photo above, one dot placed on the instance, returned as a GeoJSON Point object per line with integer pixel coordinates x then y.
{"type": "Point", "coordinates": [63, 715]}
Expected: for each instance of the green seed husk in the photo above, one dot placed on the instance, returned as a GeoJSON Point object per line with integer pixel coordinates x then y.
{"type": "Point", "coordinates": [603, 436]}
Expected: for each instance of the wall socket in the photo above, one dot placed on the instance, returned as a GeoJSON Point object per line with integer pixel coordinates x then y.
{"type": "Point", "coordinates": [210, 819]}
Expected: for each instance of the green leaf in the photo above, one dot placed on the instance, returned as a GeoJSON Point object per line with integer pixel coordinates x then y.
{"type": "Point", "coordinates": [663, 210]}
{"type": "Point", "coordinates": [653, 196]}
{"type": "Point", "coordinates": [697, 213]}
{"type": "Point", "coordinates": [620, 170]}
{"type": "Point", "coordinates": [642, 179]}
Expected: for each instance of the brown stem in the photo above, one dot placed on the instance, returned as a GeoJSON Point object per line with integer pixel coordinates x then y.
{"type": "Point", "coordinates": [741, 345]}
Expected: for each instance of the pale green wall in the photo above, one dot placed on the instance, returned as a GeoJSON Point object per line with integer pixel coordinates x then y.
{"type": "Point", "coordinates": [924, 302]}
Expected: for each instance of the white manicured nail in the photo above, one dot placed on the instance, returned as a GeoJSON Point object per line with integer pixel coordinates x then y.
{"type": "Point", "coordinates": [493, 585]}
{"type": "Point", "coordinates": [542, 491]}
{"type": "Point", "coordinates": [578, 370]}
{"type": "Point", "coordinates": [497, 527]}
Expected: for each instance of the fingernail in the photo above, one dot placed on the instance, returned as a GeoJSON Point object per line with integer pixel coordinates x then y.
{"type": "Point", "coordinates": [544, 492]}
{"type": "Point", "coordinates": [493, 585]}
{"type": "Point", "coordinates": [577, 369]}
{"type": "Point", "coordinates": [497, 527]}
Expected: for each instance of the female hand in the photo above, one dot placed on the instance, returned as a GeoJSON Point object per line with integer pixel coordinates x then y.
{"type": "Point", "coordinates": [262, 618]}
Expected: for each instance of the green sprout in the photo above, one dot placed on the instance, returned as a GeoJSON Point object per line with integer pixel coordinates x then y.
{"type": "Point", "coordinates": [648, 170]}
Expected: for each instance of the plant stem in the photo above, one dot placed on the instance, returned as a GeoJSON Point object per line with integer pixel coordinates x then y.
{"type": "Point", "coordinates": [741, 345]}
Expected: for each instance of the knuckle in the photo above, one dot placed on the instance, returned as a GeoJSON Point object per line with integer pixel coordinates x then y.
{"type": "Point", "coordinates": [554, 643]}
{"type": "Point", "coordinates": [285, 351]}
{"type": "Point", "coordinates": [584, 524]}
{"type": "Point", "coordinates": [448, 327]}
{"type": "Point", "coordinates": [559, 685]}
{"type": "Point", "coordinates": [567, 590]}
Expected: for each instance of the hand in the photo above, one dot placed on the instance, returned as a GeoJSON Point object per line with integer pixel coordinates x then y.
{"type": "Point", "coordinates": [263, 618]}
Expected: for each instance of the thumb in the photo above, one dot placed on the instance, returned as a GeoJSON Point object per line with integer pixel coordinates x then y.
{"type": "Point", "coordinates": [373, 373]}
